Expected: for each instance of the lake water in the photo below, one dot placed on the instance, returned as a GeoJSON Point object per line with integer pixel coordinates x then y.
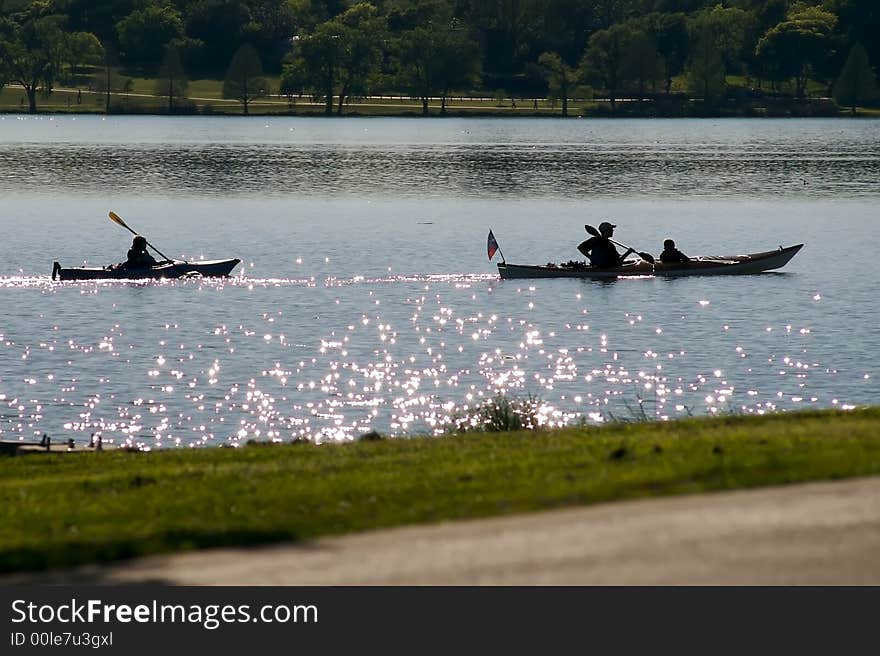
{"type": "Point", "coordinates": [365, 299]}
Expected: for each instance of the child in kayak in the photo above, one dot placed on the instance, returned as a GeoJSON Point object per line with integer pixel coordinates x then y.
{"type": "Point", "coordinates": [671, 255]}
{"type": "Point", "coordinates": [138, 257]}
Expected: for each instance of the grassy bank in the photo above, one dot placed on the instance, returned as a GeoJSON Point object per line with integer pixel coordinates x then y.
{"type": "Point", "coordinates": [61, 510]}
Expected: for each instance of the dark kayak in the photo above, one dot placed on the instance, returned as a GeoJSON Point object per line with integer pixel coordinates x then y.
{"type": "Point", "coordinates": [698, 266]}
{"type": "Point", "coordinates": [175, 269]}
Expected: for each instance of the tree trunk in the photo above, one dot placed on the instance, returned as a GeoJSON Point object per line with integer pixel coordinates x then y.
{"type": "Point", "coordinates": [328, 93]}
{"type": "Point", "coordinates": [31, 92]}
{"type": "Point", "coordinates": [245, 99]}
{"type": "Point", "coordinates": [801, 81]}
{"type": "Point", "coordinates": [564, 100]}
{"type": "Point", "coordinates": [424, 105]}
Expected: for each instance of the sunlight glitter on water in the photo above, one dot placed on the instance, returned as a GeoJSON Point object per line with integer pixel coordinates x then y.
{"type": "Point", "coordinates": [417, 363]}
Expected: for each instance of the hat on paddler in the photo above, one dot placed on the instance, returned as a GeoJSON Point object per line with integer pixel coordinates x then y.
{"type": "Point", "coordinates": [606, 228]}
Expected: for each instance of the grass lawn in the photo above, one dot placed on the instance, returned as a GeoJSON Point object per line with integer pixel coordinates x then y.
{"type": "Point", "coordinates": [206, 96]}
{"type": "Point", "coordinates": [65, 509]}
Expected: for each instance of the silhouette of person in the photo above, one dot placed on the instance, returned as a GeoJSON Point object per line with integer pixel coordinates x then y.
{"type": "Point", "coordinates": [671, 255]}
{"type": "Point", "coordinates": [601, 251]}
{"type": "Point", "coordinates": [138, 257]}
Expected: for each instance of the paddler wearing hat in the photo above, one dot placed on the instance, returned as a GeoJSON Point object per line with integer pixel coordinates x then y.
{"type": "Point", "coordinates": [601, 251]}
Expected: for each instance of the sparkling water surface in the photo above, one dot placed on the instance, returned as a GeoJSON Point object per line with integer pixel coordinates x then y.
{"type": "Point", "coordinates": [365, 300]}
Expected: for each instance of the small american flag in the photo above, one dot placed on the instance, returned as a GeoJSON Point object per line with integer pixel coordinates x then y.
{"type": "Point", "coordinates": [491, 246]}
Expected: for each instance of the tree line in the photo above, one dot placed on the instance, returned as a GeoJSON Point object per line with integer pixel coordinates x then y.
{"type": "Point", "coordinates": [338, 50]}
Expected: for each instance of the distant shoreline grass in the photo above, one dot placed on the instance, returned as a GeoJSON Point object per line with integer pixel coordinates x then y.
{"type": "Point", "coordinates": [59, 510]}
{"type": "Point", "coordinates": [205, 99]}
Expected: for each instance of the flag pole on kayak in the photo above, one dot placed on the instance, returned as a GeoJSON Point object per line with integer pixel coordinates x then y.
{"type": "Point", "coordinates": [117, 219]}
{"type": "Point", "coordinates": [492, 246]}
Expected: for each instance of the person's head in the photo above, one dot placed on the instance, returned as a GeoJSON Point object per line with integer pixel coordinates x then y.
{"type": "Point", "coordinates": [606, 229]}
{"type": "Point", "coordinates": [668, 245]}
{"type": "Point", "coordinates": [139, 243]}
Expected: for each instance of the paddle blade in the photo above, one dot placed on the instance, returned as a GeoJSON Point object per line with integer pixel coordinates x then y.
{"type": "Point", "coordinates": [116, 219]}
{"type": "Point", "coordinates": [592, 230]}
{"type": "Point", "coordinates": [647, 257]}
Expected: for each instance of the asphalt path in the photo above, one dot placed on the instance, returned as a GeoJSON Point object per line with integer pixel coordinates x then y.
{"type": "Point", "coordinates": [816, 533]}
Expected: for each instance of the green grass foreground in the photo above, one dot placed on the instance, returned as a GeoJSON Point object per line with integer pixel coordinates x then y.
{"type": "Point", "coordinates": [60, 510]}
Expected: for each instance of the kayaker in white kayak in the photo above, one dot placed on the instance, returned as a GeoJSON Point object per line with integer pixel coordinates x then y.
{"type": "Point", "coordinates": [671, 255]}
{"type": "Point", "coordinates": [601, 251]}
{"type": "Point", "coordinates": [138, 257]}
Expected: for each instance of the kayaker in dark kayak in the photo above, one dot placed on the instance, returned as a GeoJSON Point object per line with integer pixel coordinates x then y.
{"type": "Point", "coordinates": [601, 251]}
{"type": "Point", "coordinates": [138, 257]}
{"type": "Point", "coordinates": [671, 255]}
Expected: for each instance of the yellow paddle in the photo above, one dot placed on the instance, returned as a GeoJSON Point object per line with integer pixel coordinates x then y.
{"type": "Point", "coordinates": [117, 219]}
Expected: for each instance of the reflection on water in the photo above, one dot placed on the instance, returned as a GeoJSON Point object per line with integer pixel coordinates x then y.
{"type": "Point", "coordinates": [341, 356]}
{"type": "Point", "coordinates": [377, 157]}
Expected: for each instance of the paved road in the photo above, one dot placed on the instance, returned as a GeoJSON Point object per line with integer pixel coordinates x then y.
{"type": "Point", "coordinates": [818, 533]}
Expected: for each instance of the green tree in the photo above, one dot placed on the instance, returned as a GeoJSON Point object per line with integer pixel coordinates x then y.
{"type": "Point", "coordinates": [172, 81]}
{"type": "Point", "coordinates": [458, 64]}
{"type": "Point", "coordinates": [435, 59]}
{"type": "Point", "coordinates": [341, 55]}
{"type": "Point", "coordinates": [717, 37]}
{"type": "Point", "coordinates": [244, 79]}
{"type": "Point", "coordinates": [798, 46]}
{"type": "Point", "coordinates": [506, 28]}
{"type": "Point", "coordinates": [144, 34]}
{"type": "Point", "coordinates": [706, 70]}
{"type": "Point", "coordinates": [362, 35]}
{"type": "Point", "coordinates": [6, 29]}
{"type": "Point", "coordinates": [613, 12]}
{"type": "Point", "coordinates": [34, 51]}
{"type": "Point", "coordinates": [99, 17]}
{"type": "Point", "coordinates": [83, 49]}
{"type": "Point", "coordinates": [293, 79]}
{"type": "Point", "coordinates": [417, 51]}
{"type": "Point", "coordinates": [857, 83]}
{"type": "Point", "coordinates": [560, 77]}
{"type": "Point", "coordinates": [320, 58]}
{"type": "Point", "coordinates": [604, 61]}
{"type": "Point", "coordinates": [859, 22]}
{"type": "Point", "coordinates": [642, 64]}
{"type": "Point", "coordinates": [671, 39]}
{"type": "Point", "coordinates": [216, 25]}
